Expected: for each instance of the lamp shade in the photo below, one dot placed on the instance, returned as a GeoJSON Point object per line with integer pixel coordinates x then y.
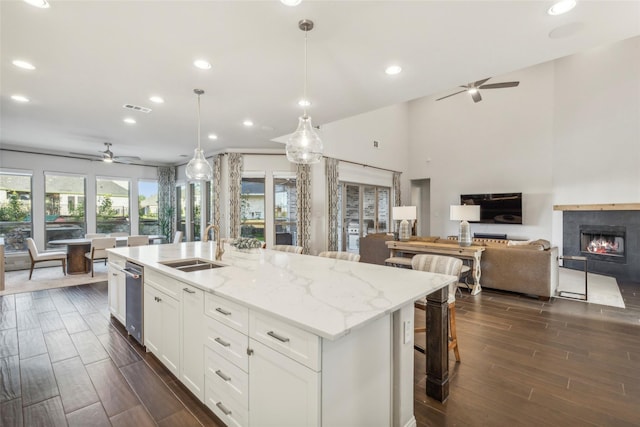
{"type": "Point", "coordinates": [465, 213]}
{"type": "Point", "coordinates": [404, 212]}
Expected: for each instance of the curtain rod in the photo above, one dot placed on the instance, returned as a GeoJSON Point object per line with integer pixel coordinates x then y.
{"type": "Point", "coordinates": [364, 165]}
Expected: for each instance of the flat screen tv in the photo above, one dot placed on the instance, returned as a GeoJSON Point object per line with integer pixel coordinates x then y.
{"type": "Point", "coordinates": [496, 208]}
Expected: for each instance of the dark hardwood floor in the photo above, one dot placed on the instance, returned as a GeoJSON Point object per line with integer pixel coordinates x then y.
{"type": "Point", "coordinates": [533, 363]}
{"type": "Point", "coordinates": [63, 361]}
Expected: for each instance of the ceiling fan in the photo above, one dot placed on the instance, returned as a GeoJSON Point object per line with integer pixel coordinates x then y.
{"type": "Point", "coordinates": [474, 88]}
{"type": "Point", "coordinates": [108, 156]}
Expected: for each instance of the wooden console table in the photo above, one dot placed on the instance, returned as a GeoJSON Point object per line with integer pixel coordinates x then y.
{"type": "Point", "coordinates": [472, 253]}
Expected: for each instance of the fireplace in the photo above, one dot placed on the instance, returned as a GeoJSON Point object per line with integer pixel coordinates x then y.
{"type": "Point", "coordinates": [610, 239]}
{"type": "Point", "coordinates": [603, 242]}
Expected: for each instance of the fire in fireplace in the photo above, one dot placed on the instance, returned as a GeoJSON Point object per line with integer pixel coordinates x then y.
{"type": "Point", "coordinates": [603, 242]}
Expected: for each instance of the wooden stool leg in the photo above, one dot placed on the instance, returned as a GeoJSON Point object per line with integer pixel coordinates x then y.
{"type": "Point", "coordinates": [453, 343]}
{"type": "Point", "coordinates": [64, 266]}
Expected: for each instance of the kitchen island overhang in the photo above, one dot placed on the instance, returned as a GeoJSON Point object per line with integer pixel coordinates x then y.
{"type": "Point", "coordinates": [326, 297]}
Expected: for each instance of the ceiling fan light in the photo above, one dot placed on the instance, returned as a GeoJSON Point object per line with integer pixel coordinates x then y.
{"type": "Point", "coordinates": [304, 146]}
{"type": "Point", "coordinates": [291, 2]}
{"type": "Point", "coordinates": [473, 90]}
{"type": "Point", "coordinates": [107, 159]}
{"type": "Point", "coordinates": [42, 4]}
{"type": "Point", "coordinates": [561, 7]}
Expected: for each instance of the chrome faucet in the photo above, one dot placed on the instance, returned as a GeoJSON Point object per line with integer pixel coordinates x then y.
{"type": "Point", "coordinates": [219, 249]}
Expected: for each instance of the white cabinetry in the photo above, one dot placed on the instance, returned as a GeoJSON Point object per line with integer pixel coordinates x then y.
{"type": "Point", "coordinates": [192, 361]}
{"type": "Point", "coordinates": [117, 288]}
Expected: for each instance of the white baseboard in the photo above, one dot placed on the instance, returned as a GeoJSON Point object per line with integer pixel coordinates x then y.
{"type": "Point", "coordinates": [412, 422]}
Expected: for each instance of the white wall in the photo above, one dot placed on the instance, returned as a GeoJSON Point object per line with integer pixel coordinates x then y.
{"type": "Point", "coordinates": [38, 164]}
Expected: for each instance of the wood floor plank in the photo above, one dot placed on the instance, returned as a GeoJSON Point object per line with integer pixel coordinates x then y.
{"type": "Point", "coordinates": [88, 346]}
{"type": "Point", "coordinates": [96, 323]}
{"type": "Point", "coordinates": [11, 413]}
{"type": "Point", "coordinates": [182, 418]}
{"type": "Point", "coordinates": [8, 319]}
{"type": "Point", "coordinates": [24, 302]}
{"type": "Point", "coordinates": [76, 389]}
{"type": "Point", "coordinates": [205, 417]}
{"type": "Point", "coordinates": [118, 348]}
{"type": "Point", "coordinates": [9, 378]}
{"type": "Point", "coordinates": [46, 413]}
{"type": "Point", "coordinates": [8, 342]}
{"type": "Point", "coordinates": [153, 393]}
{"type": "Point", "coordinates": [27, 319]}
{"type": "Point", "coordinates": [112, 388]}
{"type": "Point", "coordinates": [42, 305]}
{"type": "Point", "coordinates": [92, 415]}
{"type": "Point", "coordinates": [31, 343]}
{"type": "Point", "coordinates": [7, 302]}
{"type": "Point", "coordinates": [59, 345]}
{"type": "Point", "coordinates": [134, 417]}
{"type": "Point", "coordinates": [50, 321]}
{"type": "Point", "coordinates": [74, 322]}
{"type": "Point", "coordinates": [37, 380]}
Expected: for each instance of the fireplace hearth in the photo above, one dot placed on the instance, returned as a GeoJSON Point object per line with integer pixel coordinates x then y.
{"type": "Point", "coordinates": [610, 239]}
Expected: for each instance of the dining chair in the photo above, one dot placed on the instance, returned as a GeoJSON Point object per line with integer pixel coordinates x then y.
{"type": "Point", "coordinates": [94, 235]}
{"type": "Point", "coordinates": [288, 248]}
{"type": "Point", "coordinates": [441, 265]}
{"type": "Point", "coordinates": [137, 240]}
{"type": "Point", "coordinates": [347, 256]}
{"type": "Point", "coordinates": [44, 256]}
{"type": "Point", "coordinates": [118, 234]}
{"type": "Point", "coordinates": [99, 247]}
{"type": "Point", "coordinates": [177, 238]}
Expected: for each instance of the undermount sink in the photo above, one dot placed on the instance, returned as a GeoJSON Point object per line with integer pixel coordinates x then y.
{"type": "Point", "coordinates": [195, 264]}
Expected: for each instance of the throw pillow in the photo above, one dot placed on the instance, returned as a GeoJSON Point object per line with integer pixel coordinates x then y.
{"type": "Point", "coordinates": [518, 242]}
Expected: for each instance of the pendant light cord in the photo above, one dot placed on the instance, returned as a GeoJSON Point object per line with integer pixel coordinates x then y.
{"type": "Point", "coordinates": [199, 149]}
{"type": "Point", "coordinates": [306, 100]}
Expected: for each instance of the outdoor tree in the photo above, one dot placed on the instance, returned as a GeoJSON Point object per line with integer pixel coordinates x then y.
{"type": "Point", "coordinates": [14, 209]}
{"type": "Point", "coordinates": [106, 210]}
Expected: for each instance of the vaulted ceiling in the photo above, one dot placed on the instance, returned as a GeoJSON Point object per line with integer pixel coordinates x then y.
{"type": "Point", "coordinates": [93, 57]}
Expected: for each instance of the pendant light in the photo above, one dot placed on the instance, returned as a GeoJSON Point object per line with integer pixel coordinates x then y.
{"type": "Point", "coordinates": [304, 145]}
{"type": "Point", "coordinates": [198, 168]}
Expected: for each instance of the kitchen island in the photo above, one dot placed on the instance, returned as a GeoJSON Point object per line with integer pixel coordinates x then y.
{"type": "Point", "coordinates": [274, 338]}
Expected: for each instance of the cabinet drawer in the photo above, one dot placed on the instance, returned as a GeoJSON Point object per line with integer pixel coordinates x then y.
{"type": "Point", "coordinates": [227, 312]}
{"type": "Point", "coordinates": [169, 286]}
{"type": "Point", "coordinates": [291, 341]}
{"type": "Point", "coordinates": [227, 342]}
{"type": "Point", "coordinates": [229, 411]}
{"type": "Point", "coordinates": [230, 381]}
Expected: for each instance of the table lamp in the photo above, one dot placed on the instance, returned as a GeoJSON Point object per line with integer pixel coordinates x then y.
{"type": "Point", "coordinates": [465, 213]}
{"type": "Point", "coordinates": [404, 214]}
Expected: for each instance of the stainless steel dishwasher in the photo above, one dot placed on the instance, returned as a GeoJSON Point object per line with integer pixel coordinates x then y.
{"type": "Point", "coordinates": [135, 298]}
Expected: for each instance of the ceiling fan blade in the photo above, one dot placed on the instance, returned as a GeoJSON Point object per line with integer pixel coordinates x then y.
{"type": "Point", "coordinates": [91, 156]}
{"type": "Point", "coordinates": [126, 158]}
{"type": "Point", "coordinates": [451, 95]}
{"type": "Point", "coordinates": [479, 82]}
{"type": "Point", "coordinates": [476, 96]}
{"type": "Point", "coordinates": [499, 85]}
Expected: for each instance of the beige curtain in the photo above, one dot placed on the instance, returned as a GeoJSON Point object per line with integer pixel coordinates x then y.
{"type": "Point", "coordinates": [303, 189]}
{"type": "Point", "coordinates": [333, 225]}
{"type": "Point", "coordinates": [217, 189]}
{"type": "Point", "coordinates": [235, 188]}
{"type": "Point", "coordinates": [397, 199]}
{"type": "Point", "coordinates": [166, 201]}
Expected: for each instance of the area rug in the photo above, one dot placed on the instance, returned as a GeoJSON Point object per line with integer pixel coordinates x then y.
{"type": "Point", "coordinates": [49, 278]}
{"type": "Point", "coordinates": [603, 290]}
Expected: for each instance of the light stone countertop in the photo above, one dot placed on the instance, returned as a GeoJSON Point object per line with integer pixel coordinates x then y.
{"type": "Point", "coordinates": [324, 296]}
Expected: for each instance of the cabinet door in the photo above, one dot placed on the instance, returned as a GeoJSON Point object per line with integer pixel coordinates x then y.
{"type": "Point", "coordinates": [282, 392]}
{"type": "Point", "coordinates": [170, 347]}
{"type": "Point", "coordinates": [192, 362]}
{"type": "Point", "coordinates": [117, 296]}
{"type": "Point", "coordinates": [152, 320]}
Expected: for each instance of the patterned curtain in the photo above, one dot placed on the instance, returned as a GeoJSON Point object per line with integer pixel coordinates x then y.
{"type": "Point", "coordinates": [217, 189]}
{"type": "Point", "coordinates": [332, 201]}
{"type": "Point", "coordinates": [166, 201]}
{"type": "Point", "coordinates": [303, 189]}
{"type": "Point", "coordinates": [235, 188]}
{"type": "Point", "coordinates": [397, 199]}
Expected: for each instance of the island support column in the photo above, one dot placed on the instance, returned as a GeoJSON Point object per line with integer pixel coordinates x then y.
{"type": "Point", "coordinates": [438, 344]}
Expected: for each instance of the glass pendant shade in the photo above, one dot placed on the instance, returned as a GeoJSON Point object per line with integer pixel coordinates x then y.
{"type": "Point", "coordinates": [198, 168]}
{"type": "Point", "coordinates": [304, 145]}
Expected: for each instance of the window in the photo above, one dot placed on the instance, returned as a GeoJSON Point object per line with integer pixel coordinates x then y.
{"type": "Point", "coordinates": [181, 212]}
{"type": "Point", "coordinates": [363, 209]}
{"type": "Point", "coordinates": [252, 208]}
{"type": "Point", "coordinates": [64, 208]}
{"type": "Point", "coordinates": [285, 212]}
{"type": "Point", "coordinates": [112, 205]}
{"type": "Point", "coordinates": [15, 210]}
{"type": "Point", "coordinates": [148, 207]}
{"type": "Point", "coordinates": [196, 210]}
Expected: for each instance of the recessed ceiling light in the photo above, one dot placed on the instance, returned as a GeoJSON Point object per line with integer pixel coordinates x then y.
{"type": "Point", "coordinates": [130, 121]}
{"type": "Point", "coordinates": [393, 70]}
{"type": "Point", "coordinates": [202, 64]}
{"type": "Point", "coordinates": [23, 64]}
{"type": "Point", "coordinates": [304, 103]}
{"type": "Point", "coordinates": [291, 2]}
{"type": "Point", "coordinates": [43, 4]}
{"type": "Point", "coordinates": [213, 136]}
{"type": "Point", "coordinates": [156, 99]}
{"type": "Point", "coordinates": [20, 98]}
{"type": "Point", "coordinates": [248, 123]}
{"type": "Point", "coordinates": [561, 7]}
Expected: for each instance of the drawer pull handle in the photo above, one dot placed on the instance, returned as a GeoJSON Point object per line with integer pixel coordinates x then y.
{"type": "Point", "coordinates": [189, 291]}
{"type": "Point", "coordinates": [223, 408]}
{"type": "Point", "coordinates": [223, 311]}
{"type": "Point", "coordinates": [222, 342]}
{"type": "Point", "coordinates": [222, 375]}
{"type": "Point", "coordinates": [278, 337]}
